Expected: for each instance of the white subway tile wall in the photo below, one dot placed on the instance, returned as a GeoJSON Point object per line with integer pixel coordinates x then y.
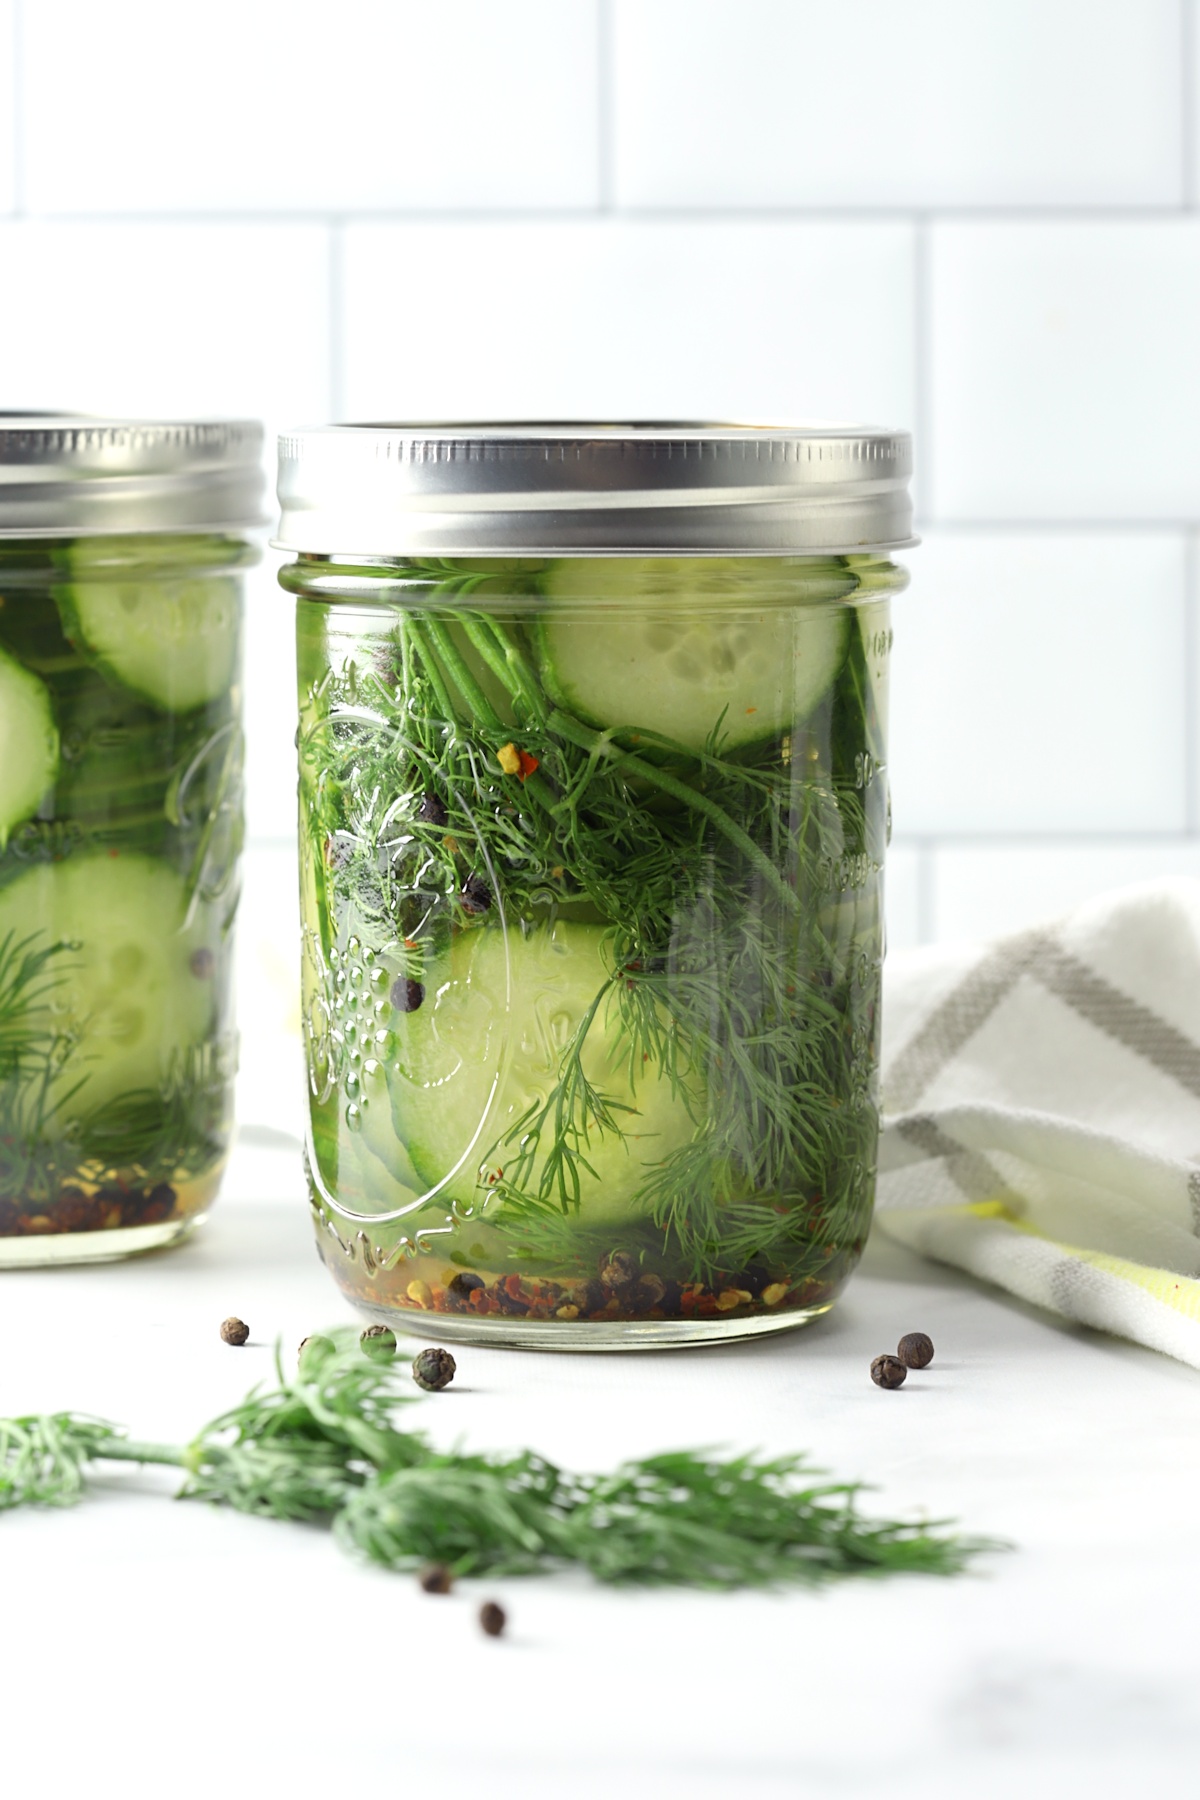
{"type": "Point", "coordinates": [1038, 685]}
{"type": "Point", "coordinates": [615, 318]}
{"type": "Point", "coordinates": [1028, 103]}
{"type": "Point", "coordinates": [1065, 369]}
{"type": "Point", "coordinates": [298, 106]}
{"type": "Point", "coordinates": [979, 221]}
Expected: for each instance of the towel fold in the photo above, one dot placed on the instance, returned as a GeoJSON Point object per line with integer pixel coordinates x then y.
{"type": "Point", "coordinates": [1041, 1101]}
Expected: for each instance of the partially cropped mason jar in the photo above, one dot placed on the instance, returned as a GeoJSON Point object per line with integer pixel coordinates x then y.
{"type": "Point", "coordinates": [122, 551]}
{"type": "Point", "coordinates": [593, 812]}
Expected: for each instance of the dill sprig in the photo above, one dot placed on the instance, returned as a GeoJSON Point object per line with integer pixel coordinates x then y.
{"type": "Point", "coordinates": [325, 1445]}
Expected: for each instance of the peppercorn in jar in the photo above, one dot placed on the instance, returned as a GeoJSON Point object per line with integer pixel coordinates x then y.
{"type": "Point", "coordinates": [593, 808]}
{"type": "Point", "coordinates": [122, 551]}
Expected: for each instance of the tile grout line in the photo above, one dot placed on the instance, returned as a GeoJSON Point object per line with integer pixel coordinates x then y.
{"type": "Point", "coordinates": [1190, 146]}
{"type": "Point", "coordinates": [605, 118]}
{"type": "Point", "coordinates": [336, 302]}
{"type": "Point", "coordinates": [844, 215]}
{"type": "Point", "coordinates": [18, 111]}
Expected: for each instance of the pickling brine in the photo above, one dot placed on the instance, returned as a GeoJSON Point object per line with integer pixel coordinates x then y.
{"type": "Point", "coordinates": [591, 875]}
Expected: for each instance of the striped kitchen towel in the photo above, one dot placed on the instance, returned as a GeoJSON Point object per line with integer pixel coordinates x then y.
{"type": "Point", "coordinates": [1042, 1112]}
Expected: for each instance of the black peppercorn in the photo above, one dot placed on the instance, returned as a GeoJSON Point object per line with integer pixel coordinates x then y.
{"type": "Point", "coordinates": [378, 1342]}
{"type": "Point", "coordinates": [888, 1372]}
{"type": "Point", "coordinates": [465, 1283]}
{"type": "Point", "coordinates": [433, 1369]}
{"type": "Point", "coordinates": [431, 811]}
{"type": "Point", "coordinates": [407, 994]}
{"type": "Point", "coordinates": [915, 1350]}
{"type": "Point", "coordinates": [492, 1618]}
{"type": "Point", "coordinates": [234, 1331]}
{"type": "Point", "coordinates": [476, 896]}
{"type": "Point", "coordinates": [436, 1578]}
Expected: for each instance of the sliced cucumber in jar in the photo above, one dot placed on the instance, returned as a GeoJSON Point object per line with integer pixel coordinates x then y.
{"type": "Point", "coordinates": [134, 988]}
{"type": "Point", "coordinates": [170, 637]}
{"type": "Point", "coordinates": [489, 1044]}
{"type": "Point", "coordinates": [28, 744]}
{"type": "Point", "coordinates": [678, 646]}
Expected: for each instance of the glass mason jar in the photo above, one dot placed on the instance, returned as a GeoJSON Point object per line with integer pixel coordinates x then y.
{"type": "Point", "coordinates": [593, 810]}
{"type": "Point", "coordinates": [122, 549]}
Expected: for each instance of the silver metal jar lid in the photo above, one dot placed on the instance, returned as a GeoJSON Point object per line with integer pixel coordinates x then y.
{"type": "Point", "coordinates": [599, 490]}
{"type": "Point", "coordinates": [66, 476]}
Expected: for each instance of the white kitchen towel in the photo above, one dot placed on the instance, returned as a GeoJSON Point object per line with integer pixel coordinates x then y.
{"type": "Point", "coordinates": [1042, 1112]}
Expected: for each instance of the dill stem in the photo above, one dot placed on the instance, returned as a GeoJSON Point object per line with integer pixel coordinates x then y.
{"type": "Point", "coordinates": [485, 714]}
{"type": "Point", "coordinates": [414, 632]}
{"type": "Point", "coordinates": [599, 744]}
{"type": "Point", "coordinates": [125, 1450]}
{"type": "Point", "coordinates": [506, 660]}
{"type": "Point", "coordinates": [474, 695]}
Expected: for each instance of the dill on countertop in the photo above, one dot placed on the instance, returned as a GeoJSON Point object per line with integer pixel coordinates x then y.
{"type": "Point", "coordinates": [326, 1444]}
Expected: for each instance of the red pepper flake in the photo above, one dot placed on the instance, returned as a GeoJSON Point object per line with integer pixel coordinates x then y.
{"type": "Point", "coordinates": [528, 764]}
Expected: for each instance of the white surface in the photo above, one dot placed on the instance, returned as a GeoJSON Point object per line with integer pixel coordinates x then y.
{"type": "Point", "coordinates": [151, 1648]}
{"type": "Point", "coordinates": [644, 320]}
{"type": "Point", "coordinates": [1065, 370]}
{"type": "Point", "coordinates": [295, 105]}
{"type": "Point", "coordinates": [936, 103]}
{"type": "Point", "coordinates": [1037, 684]}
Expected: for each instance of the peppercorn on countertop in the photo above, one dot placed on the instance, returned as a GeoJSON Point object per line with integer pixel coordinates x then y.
{"type": "Point", "coordinates": [185, 1649]}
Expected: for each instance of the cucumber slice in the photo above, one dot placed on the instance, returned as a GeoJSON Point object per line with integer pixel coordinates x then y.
{"type": "Point", "coordinates": [692, 652]}
{"type": "Point", "coordinates": [172, 639]}
{"type": "Point", "coordinates": [486, 1044]}
{"type": "Point", "coordinates": [28, 744]}
{"type": "Point", "coordinates": [131, 993]}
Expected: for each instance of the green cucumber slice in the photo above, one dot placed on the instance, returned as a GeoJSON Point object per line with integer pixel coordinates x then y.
{"type": "Point", "coordinates": [486, 1044]}
{"type": "Point", "coordinates": [172, 639]}
{"type": "Point", "coordinates": [28, 744]}
{"type": "Point", "coordinates": [682, 648]}
{"type": "Point", "coordinates": [131, 993]}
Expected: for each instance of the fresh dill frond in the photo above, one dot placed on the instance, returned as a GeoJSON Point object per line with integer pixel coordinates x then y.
{"type": "Point", "coordinates": [44, 1457]}
{"type": "Point", "coordinates": [325, 1445]}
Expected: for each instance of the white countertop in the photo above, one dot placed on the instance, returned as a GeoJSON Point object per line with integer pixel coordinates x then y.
{"type": "Point", "coordinates": [148, 1648]}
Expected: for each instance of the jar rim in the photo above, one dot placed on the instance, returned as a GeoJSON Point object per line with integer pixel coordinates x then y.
{"type": "Point", "coordinates": [65, 474]}
{"type": "Point", "coordinates": [604, 488]}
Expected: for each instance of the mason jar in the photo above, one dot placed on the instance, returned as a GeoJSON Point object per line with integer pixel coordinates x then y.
{"type": "Point", "coordinates": [593, 811]}
{"type": "Point", "coordinates": [122, 551]}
